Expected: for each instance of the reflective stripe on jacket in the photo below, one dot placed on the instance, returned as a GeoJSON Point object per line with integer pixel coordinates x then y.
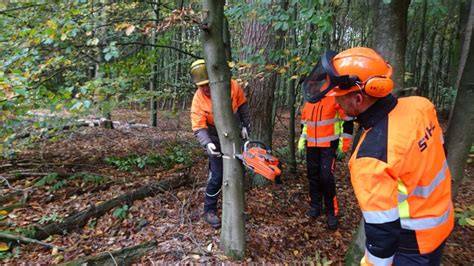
{"type": "Point", "coordinates": [324, 122]}
{"type": "Point", "coordinates": [401, 179]}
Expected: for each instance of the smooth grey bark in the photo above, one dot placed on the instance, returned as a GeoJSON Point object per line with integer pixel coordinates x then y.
{"type": "Point", "coordinates": [357, 248]}
{"type": "Point", "coordinates": [460, 133]}
{"type": "Point", "coordinates": [154, 75]}
{"type": "Point", "coordinates": [226, 37]}
{"type": "Point", "coordinates": [100, 33]}
{"type": "Point", "coordinates": [390, 36]}
{"type": "Point", "coordinates": [233, 225]}
{"type": "Point", "coordinates": [291, 105]}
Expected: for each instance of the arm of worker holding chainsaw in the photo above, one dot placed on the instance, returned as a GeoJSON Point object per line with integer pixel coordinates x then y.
{"type": "Point", "coordinates": [201, 130]}
{"type": "Point", "coordinates": [243, 112]}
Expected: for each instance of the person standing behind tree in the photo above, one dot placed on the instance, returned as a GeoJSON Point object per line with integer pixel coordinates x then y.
{"type": "Point", "coordinates": [202, 121]}
{"type": "Point", "coordinates": [399, 169]}
{"type": "Point", "coordinates": [326, 135]}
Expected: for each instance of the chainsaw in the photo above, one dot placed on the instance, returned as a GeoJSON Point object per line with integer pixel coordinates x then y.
{"type": "Point", "coordinates": [259, 160]}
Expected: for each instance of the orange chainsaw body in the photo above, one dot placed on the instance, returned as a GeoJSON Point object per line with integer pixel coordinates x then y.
{"type": "Point", "coordinates": [261, 162]}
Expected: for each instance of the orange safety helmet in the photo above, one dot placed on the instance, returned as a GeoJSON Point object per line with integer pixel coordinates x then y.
{"type": "Point", "coordinates": [354, 69]}
{"type": "Point", "coordinates": [199, 72]}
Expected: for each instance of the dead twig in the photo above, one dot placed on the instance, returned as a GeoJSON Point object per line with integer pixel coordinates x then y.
{"type": "Point", "coordinates": [27, 240]}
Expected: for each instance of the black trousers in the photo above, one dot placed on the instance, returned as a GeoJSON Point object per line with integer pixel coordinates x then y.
{"type": "Point", "coordinates": [320, 167]}
{"type": "Point", "coordinates": [430, 259]}
{"type": "Point", "coordinates": [214, 183]}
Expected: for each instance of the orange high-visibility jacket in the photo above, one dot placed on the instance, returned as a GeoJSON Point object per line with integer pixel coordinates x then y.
{"type": "Point", "coordinates": [202, 118]}
{"type": "Point", "coordinates": [401, 179]}
{"type": "Point", "coordinates": [324, 122]}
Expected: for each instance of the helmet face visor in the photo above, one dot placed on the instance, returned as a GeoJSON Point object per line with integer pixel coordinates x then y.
{"type": "Point", "coordinates": [324, 78]}
{"type": "Point", "coordinates": [316, 85]}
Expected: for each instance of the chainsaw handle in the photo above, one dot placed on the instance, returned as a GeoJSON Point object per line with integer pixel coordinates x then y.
{"type": "Point", "coordinates": [248, 142]}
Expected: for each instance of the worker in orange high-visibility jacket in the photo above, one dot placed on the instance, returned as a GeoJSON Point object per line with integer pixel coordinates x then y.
{"type": "Point", "coordinates": [326, 134]}
{"type": "Point", "coordinates": [398, 170]}
{"type": "Point", "coordinates": [202, 121]}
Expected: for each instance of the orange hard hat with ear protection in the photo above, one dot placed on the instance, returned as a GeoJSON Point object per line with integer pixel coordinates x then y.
{"type": "Point", "coordinates": [351, 70]}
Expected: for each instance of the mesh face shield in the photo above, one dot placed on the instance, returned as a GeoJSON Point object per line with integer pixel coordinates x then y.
{"type": "Point", "coordinates": [316, 85]}
{"type": "Point", "coordinates": [323, 78]}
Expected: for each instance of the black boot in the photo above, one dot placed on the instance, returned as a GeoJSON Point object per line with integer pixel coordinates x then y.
{"type": "Point", "coordinates": [212, 219]}
{"type": "Point", "coordinates": [314, 212]}
{"type": "Point", "coordinates": [332, 222]}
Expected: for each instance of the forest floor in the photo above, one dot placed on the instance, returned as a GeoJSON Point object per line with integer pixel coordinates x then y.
{"type": "Point", "coordinates": [278, 231]}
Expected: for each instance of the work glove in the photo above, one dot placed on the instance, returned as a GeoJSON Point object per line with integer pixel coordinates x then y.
{"type": "Point", "coordinates": [244, 133]}
{"type": "Point", "coordinates": [340, 155]}
{"type": "Point", "coordinates": [301, 147]}
{"type": "Point", "coordinates": [212, 150]}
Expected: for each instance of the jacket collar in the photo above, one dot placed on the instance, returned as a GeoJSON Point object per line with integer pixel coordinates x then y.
{"type": "Point", "coordinates": [377, 111]}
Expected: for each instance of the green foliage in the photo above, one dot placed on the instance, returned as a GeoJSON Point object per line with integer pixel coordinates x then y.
{"type": "Point", "coordinates": [92, 223]}
{"type": "Point", "coordinates": [283, 153]}
{"type": "Point", "coordinates": [28, 231]}
{"type": "Point", "coordinates": [49, 52]}
{"type": "Point", "coordinates": [465, 217]}
{"type": "Point", "coordinates": [52, 179]}
{"type": "Point", "coordinates": [60, 184]}
{"type": "Point", "coordinates": [173, 155]}
{"type": "Point", "coordinates": [47, 180]}
{"type": "Point", "coordinates": [121, 212]}
{"type": "Point", "coordinates": [53, 217]}
{"type": "Point", "coordinates": [95, 179]}
{"type": "Point", "coordinates": [15, 253]}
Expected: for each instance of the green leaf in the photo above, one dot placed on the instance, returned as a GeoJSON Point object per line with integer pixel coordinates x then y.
{"type": "Point", "coordinates": [470, 221]}
{"type": "Point", "coordinates": [108, 56]}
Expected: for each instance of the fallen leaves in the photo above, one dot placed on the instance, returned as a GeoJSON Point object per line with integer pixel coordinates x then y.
{"type": "Point", "coordinates": [4, 246]}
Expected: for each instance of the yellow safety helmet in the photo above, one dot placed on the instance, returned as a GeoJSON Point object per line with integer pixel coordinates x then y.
{"type": "Point", "coordinates": [199, 72]}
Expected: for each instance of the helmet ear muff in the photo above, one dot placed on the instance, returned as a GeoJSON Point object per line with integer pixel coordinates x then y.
{"type": "Point", "coordinates": [378, 86]}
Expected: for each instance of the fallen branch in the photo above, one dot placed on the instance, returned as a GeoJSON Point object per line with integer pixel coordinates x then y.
{"type": "Point", "coordinates": [63, 128]}
{"type": "Point", "coordinates": [27, 240]}
{"type": "Point", "coordinates": [125, 256]}
{"type": "Point", "coordinates": [80, 219]}
{"type": "Point", "coordinates": [8, 197]}
{"type": "Point", "coordinates": [10, 208]}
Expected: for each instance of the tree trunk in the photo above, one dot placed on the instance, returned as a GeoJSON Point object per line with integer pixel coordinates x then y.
{"type": "Point", "coordinates": [233, 225]}
{"type": "Point", "coordinates": [356, 250]}
{"type": "Point", "coordinates": [260, 38]}
{"type": "Point", "coordinates": [390, 36]}
{"type": "Point", "coordinates": [226, 37]}
{"type": "Point", "coordinates": [106, 114]}
{"type": "Point", "coordinates": [424, 85]}
{"type": "Point", "coordinates": [154, 75]}
{"type": "Point", "coordinates": [419, 45]}
{"type": "Point", "coordinates": [291, 105]}
{"type": "Point", "coordinates": [460, 133]}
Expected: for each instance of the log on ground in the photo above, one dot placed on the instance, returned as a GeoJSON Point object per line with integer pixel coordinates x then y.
{"type": "Point", "coordinates": [80, 219]}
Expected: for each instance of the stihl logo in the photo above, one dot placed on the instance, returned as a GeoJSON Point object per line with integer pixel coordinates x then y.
{"type": "Point", "coordinates": [422, 143]}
